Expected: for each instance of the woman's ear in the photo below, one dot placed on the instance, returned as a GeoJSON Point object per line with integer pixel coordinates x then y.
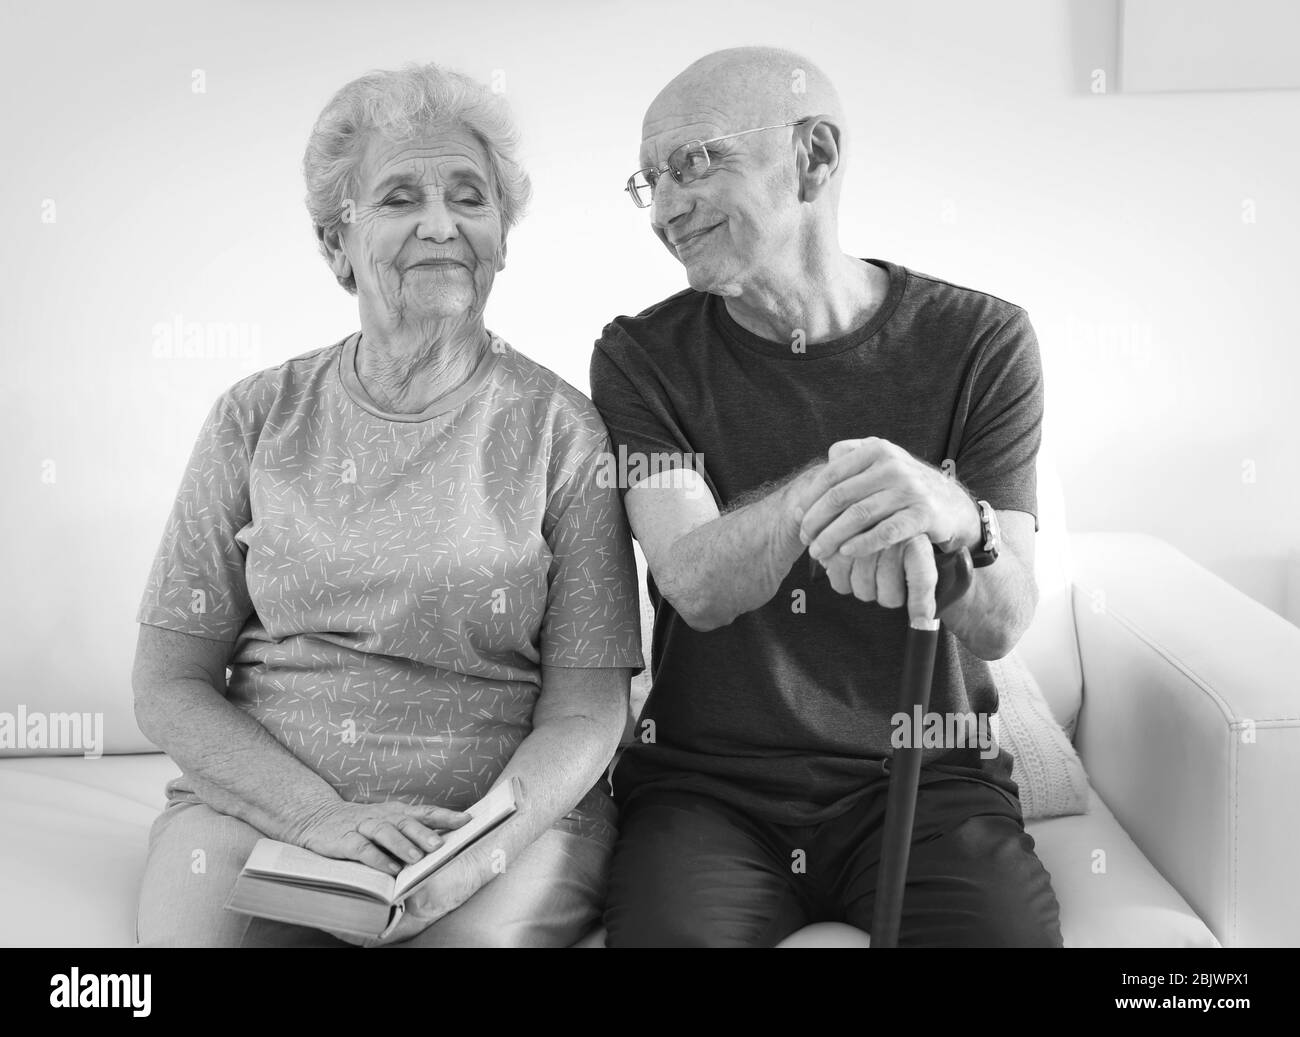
{"type": "Point", "coordinates": [501, 256]}
{"type": "Point", "coordinates": [819, 158]}
{"type": "Point", "coordinates": [332, 239]}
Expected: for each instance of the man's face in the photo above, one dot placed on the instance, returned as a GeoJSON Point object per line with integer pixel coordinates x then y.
{"type": "Point", "coordinates": [734, 221]}
{"type": "Point", "coordinates": [426, 241]}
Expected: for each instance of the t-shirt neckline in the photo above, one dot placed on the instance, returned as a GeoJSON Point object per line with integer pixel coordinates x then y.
{"type": "Point", "coordinates": [347, 373]}
{"type": "Point", "coordinates": [852, 340]}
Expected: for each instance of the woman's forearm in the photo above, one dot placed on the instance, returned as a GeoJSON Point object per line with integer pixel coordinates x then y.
{"type": "Point", "coordinates": [557, 764]}
{"type": "Point", "coordinates": [232, 762]}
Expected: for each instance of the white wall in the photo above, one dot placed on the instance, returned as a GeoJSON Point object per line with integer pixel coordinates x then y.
{"type": "Point", "coordinates": [980, 154]}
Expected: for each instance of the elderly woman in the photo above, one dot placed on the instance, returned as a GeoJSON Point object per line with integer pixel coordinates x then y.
{"type": "Point", "coordinates": [390, 578]}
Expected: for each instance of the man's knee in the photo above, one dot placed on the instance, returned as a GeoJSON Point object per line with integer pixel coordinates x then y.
{"type": "Point", "coordinates": [687, 872]}
{"type": "Point", "coordinates": [983, 885]}
{"type": "Point", "coordinates": [704, 916]}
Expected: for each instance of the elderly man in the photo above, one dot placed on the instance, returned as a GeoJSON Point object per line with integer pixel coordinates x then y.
{"type": "Point", "coordinates": [753, 798]}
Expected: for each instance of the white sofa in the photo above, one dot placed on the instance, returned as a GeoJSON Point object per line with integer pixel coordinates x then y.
{"type": "Point", "coordinates": [1180, 692]}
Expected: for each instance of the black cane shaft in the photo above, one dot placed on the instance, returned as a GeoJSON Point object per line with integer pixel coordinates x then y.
{"type": "Point", "coordinates": [904, 778]}
{"type": "Point", "coordinates": [956, 573]}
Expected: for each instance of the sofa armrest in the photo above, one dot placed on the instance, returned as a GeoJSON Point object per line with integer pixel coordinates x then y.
{"type": "Point", "coordinates": [1190, 729]}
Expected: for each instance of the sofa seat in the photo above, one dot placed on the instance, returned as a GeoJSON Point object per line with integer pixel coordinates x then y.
{"type": "Point", "coordinates": [1129, 904]}
{"type": "Point", "coordinates": [78, 833]}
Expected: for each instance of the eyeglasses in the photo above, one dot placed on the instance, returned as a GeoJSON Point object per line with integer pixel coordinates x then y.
{"type": "Point", "coordinates": [686, 164]}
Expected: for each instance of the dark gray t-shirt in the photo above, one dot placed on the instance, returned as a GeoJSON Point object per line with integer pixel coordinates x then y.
{"type": "Point", "coordinates": [786, 711]}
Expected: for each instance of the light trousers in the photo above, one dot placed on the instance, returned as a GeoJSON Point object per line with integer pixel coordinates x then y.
{"type": "Point", "coordinates": [550, 897]}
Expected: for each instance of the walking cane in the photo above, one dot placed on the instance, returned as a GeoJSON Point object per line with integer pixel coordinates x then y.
{"type": "Point", "coordinates": [955, 575]}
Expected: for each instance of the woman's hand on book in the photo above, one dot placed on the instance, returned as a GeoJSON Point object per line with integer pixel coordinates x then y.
{"type": "Point", "coordinates": [377, 834]}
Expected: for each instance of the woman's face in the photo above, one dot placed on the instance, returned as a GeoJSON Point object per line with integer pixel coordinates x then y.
{"type": "Point", "coordinates": [425, 239]}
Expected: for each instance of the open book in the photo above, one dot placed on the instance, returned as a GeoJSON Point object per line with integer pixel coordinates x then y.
{"type": "Point", "coordinates": [291, 884]}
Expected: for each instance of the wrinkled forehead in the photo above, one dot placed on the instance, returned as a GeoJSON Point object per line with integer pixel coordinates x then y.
{"type": "Point", "coordinates": [679, 115]}
{"type": "Point", "coordinates": [438, 156]}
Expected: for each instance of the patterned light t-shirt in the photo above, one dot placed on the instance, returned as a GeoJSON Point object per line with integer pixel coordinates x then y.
{"type": "Point", "coordinates": [392, 584]}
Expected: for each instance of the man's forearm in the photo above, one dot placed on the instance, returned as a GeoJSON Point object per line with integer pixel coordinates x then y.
{"type": "Point", "coordinates": [736, 562]}
{"type": "Point", "coordinates": [990, 617]}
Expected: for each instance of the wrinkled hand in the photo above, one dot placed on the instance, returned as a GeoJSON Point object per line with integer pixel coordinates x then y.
{"type": "Point", "coordinates": [441, 893]}
{"type": "Point", "coordinates": [377, 834]}
{"type": "Point", "coordinates": [873, 494]}
{"type": "Point", "coordinates": [903, 574]}
{"type": "Point", "coordinates": [870, 516]}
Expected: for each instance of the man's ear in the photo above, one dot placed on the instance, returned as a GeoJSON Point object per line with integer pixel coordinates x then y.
{"type": "Point", "coordinates": [819, 157]}
{"type": "Point", "coordinates": [332, 239]}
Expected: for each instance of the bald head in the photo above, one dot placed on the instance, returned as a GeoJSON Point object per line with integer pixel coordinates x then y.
{"type": "Point", "coordinates": [750, 86]}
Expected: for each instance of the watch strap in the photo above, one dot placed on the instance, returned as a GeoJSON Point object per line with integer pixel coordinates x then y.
{"type": "Point", "coordinates": [986, 551]}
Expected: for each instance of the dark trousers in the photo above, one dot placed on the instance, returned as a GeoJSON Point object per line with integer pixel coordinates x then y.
{"type": "Point", "coordinates": [691, 871]}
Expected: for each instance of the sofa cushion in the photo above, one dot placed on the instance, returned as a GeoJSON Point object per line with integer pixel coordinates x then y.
{"type": "Point", "coordinates": [1050, 647]}
{"type": "Point", "coordinates": [1046, 768]}
{"type": "Point", "coordinates": [1110, 894]}
{"type": "Point", "coordinates": [77, 836]}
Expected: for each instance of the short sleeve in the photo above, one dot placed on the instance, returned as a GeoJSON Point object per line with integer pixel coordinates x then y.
{"type": "Point", "coordinates": [639, 424]}
{"type": "Point", "coordinates": [197, 584]}
{"type": "Point", "coordinates": [593, 614]}
{"type": "Point", "coordinates": [998, 451]}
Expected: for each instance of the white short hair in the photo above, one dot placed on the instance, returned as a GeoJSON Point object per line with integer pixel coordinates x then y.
{"type": "Point", "coordinates": [400, 104]}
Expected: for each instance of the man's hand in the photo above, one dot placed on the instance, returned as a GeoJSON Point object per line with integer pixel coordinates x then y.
{"type": "Point", "coordinates": [870, 517]}
{"type": "Point", "coordinates": [873, 495]}
{"type": "Point", "coordinates": [903, 574]}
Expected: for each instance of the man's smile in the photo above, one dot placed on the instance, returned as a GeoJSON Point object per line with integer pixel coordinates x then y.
{"type": "Point", "coordinates": [689, 239]}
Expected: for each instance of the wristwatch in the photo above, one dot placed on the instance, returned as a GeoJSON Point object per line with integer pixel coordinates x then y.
{"type": "Point", "coordinates": [986, 551]}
